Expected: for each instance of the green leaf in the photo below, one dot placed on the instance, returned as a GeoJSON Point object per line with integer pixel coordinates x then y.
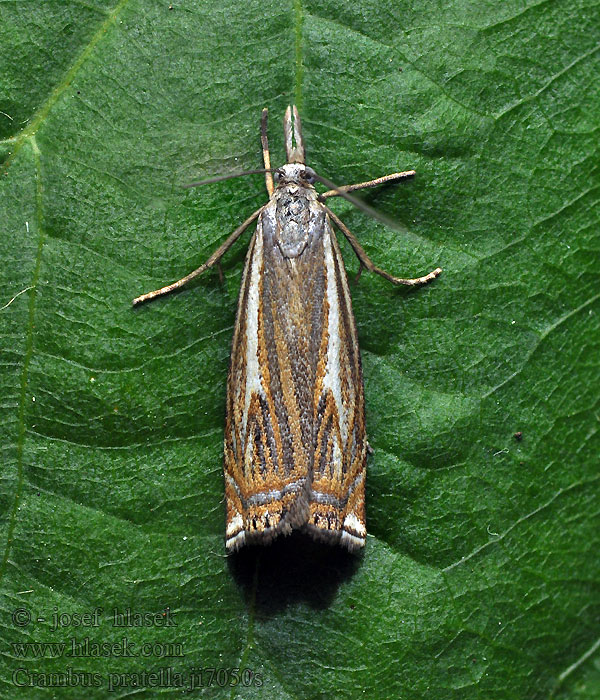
{"type": "Point", "coordinates": [480, 578]}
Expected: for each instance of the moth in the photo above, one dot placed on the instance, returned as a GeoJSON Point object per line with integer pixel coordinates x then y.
{"type": "Point", "coordinates": [295, 440]}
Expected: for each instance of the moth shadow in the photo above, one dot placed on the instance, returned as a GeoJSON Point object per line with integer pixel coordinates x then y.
{"type": "Point", "coordinates": [290, 570]}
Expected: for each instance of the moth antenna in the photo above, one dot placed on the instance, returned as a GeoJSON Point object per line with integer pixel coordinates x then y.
{"type": "Point", "coordinates": [220, 178]}
{"type": "Point", "coordinates": [388, 221]}
{"type": "Point", "coordinates": [264, 140]}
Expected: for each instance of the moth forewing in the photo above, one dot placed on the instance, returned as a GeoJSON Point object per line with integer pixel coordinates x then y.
{"type": "Point", "coordinates": [295, 440]}
{"type": "Point", "coordinates": [337, 497]}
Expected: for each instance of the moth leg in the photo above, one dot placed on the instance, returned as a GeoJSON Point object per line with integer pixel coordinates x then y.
{"type": "Point", "coordinates": [370, 183]}
{"type": "Point", "coordinates": [214, 258]}
{"type": "Point", "coordinates": [365, 261]}
{"type": "Point", "coordinates": [361, 267]}
{"type": "Point", "coordinates": [265, 149]}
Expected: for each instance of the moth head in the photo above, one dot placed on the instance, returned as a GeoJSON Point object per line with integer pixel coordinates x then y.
{"type": "Point", "coordinates": [295, 172]}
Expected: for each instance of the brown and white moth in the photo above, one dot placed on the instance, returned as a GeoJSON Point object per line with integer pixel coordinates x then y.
{"type": "Point", "coordinates": [295, 439]}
